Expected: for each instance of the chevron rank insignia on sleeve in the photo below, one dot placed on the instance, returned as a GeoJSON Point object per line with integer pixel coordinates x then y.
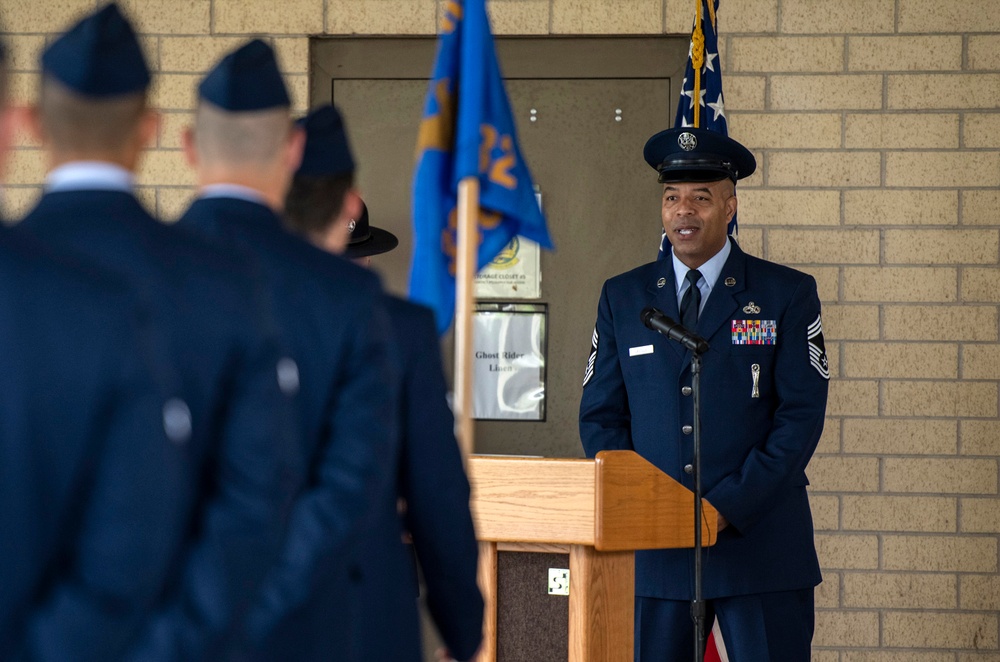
{"type": "Point", "coordinates": [817, 348]}
{"type": "Point", "coordinates": [589, 373]}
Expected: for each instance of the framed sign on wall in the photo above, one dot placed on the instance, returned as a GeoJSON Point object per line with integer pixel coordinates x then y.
{"type": "Point", "coordinates": [509, 361]}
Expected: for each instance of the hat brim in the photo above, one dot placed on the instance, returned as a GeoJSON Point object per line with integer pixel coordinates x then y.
{"type": "Point", "coordinates": [695, 174]}
{"type": "Point", "coordinates": [379, 241]}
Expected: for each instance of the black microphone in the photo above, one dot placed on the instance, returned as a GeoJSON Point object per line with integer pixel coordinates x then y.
{"type": "Point", "coordinates": [657, 321]}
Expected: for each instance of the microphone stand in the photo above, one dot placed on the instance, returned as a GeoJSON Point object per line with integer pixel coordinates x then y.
{"type": "Point", "coordinates": [655, 320]}
{"type": "Point", "coordinates": [698, 610]}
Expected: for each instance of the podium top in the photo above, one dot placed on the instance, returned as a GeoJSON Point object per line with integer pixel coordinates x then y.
{"type": "Point", "coordinates": [618, 501]}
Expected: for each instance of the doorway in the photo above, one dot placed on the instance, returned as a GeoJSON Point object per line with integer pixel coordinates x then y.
{"type": "Point", "coordinates": [584, 108]}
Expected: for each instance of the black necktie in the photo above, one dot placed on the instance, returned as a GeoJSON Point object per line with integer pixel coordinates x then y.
{"type": "Point", "coordinates": [691, 301]}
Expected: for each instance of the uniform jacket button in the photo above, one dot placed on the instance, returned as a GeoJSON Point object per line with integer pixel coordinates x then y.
{"type": "Point", "coordinates": [687, 429]}
{"type": "Point", "coordinates": [685, 390]}
{"type": "Point", "coordinates": [688, 469]}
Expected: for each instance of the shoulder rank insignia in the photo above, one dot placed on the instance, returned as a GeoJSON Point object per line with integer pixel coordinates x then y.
{"type": "Point", "coordinates": [817, 348]}
{"type": "Point", "coordinates": [589, 372]}
{"type": "Point", "coordinates": [755, 332]}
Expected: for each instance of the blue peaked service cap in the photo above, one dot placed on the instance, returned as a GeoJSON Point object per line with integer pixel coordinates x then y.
{"type": "Point", "coordinates": [687, 154]}
{"type": "Point", "coordinates": [327, 152]}
{"type": "Point", "coordinates": [246, 80]}
{"type": "Point", "coordinates": [100, 56]}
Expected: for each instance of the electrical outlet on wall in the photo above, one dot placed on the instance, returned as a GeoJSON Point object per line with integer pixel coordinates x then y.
{"type": "Point", "coordinates": [558, 581]}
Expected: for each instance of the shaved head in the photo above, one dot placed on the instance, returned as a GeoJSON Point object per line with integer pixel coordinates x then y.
{"type": "Point", "coordinates": [240, 139]}
{"type": "Point", "coordinates": [77, 124]}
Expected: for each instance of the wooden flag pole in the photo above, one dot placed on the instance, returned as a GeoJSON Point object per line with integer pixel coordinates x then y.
{"type": "Point", "coordinates": [465, 273]}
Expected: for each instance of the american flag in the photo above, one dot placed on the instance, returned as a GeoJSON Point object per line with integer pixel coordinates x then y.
{"type": "Point", "coordinates": [715, 651]}
{"type": "Point", "coordinates": [701, 104]}
{"type": "Point", "coordinates": [703, 75]}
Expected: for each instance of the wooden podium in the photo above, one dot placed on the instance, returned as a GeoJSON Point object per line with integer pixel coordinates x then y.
{"type": "Point", "coordinates": [596, 511]}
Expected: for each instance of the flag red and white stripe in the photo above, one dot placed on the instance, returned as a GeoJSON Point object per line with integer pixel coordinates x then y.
{"type": "Point", "coordinates": [715, 651]}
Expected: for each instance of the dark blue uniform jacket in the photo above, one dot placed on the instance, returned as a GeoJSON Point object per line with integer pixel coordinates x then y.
{"type": "Point", "coordinates": [332, 318]}
{"type": "Point", "coordinates": [89, 481]}
{"type": "Point", "coordinates": [755, 446]}
{"type": "Point", "coordinates": [432, 482]}
{"type": "Point", "coordinates": [240, 468]}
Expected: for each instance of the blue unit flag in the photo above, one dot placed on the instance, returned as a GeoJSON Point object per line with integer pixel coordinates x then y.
{"type": "Point", "coordinates": [467, 131]}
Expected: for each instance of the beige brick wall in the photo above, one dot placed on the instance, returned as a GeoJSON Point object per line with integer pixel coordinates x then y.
{"type": "Point", "coordinates": [876, 126]}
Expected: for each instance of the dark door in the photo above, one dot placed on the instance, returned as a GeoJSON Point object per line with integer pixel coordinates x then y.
{"type": "Point", "coordinates": [595, 102]}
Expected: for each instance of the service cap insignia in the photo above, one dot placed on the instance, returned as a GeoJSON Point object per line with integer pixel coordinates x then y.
{"type": "Point", "coordinates": [687, 141]}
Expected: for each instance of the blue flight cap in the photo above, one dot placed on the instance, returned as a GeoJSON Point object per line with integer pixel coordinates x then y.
{"type": "Point", "coordinates": [246, 80]}
{"type": "Point", "coordinates": [98, 57]}
{"type": "Point", "coordinates": [687, 154]}
{"type": "Point", "coordinates": [327, 152]}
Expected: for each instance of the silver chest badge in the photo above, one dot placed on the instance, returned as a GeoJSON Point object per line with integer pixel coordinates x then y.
{"type": "Point", "coordinates": [687, 141]}
{"type": "Point", "coordinates": [751, 309]}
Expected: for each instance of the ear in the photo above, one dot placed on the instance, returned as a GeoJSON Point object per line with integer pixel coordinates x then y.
{"type": "Point", "coordinates": [190, 149]}
{"type": "Point", "coordinates": [295, 147]}
{"type": "Point", "coordinates": [351, 208]}
{"type": "Point", "coordinates": [149, 127]}
{"type": "Point", "coordinates": [30, 118]}
{"type": "Point", "coordinates": [731, 204]}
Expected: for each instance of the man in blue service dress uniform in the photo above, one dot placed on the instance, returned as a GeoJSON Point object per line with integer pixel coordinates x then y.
{"type": "Point", "coordinates": [233, 405]}
{"type": "Point", "coordinates": [90, 463]}
{"type": "Point", "coordinates": [764, 384]}
{"type": "Point", "coordinates": [88, 472]}
{"type": "Point", "coordinates": [323, 206]}
{"type": "Point", "coordinates": [245, 150]}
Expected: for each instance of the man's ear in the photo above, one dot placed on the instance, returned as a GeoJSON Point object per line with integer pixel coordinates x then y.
{"type": "Point", "coordinates": [188, 143]}
{"type": "Point", "coordinates": [149, 126]}
{"type": "Point", "coordinates": [30, 119]}
{"type": "Point", "coordinates": [731, 204]}
{"type": "Point", "coordinates": [296, 146]}
{"type": "Point", "coordinates": [351, 209]}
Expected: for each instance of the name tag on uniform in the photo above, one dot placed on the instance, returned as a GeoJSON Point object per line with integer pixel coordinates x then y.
{"type": "Point", "coordinates": [639, 351]}
{"type": "Point", "coordinates": [755, 332]}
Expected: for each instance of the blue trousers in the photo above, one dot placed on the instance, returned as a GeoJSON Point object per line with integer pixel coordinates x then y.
{"type": "Point", "coordinates": [766, 627]}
